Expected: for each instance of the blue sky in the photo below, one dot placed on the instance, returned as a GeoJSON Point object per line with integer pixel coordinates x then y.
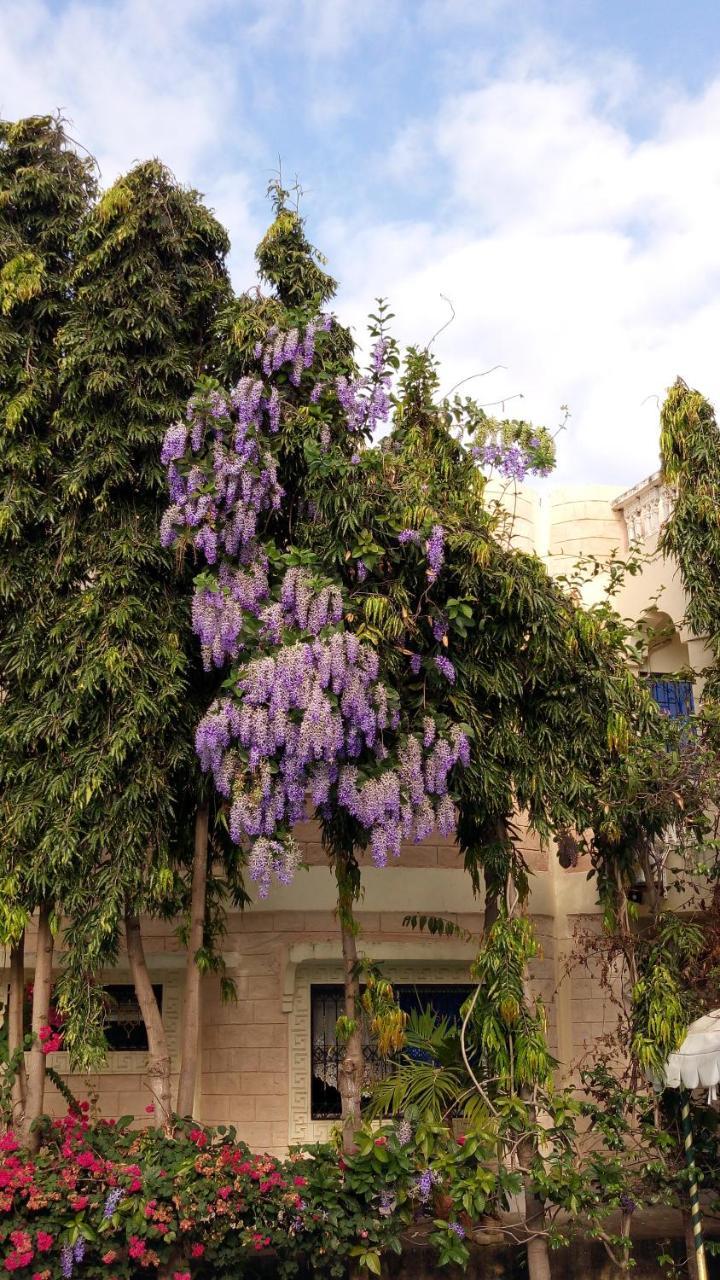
{"type": "Point", "coordinates": [551, 167]}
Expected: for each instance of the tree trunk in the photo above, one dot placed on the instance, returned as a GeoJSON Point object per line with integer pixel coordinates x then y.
{"type": "Point", "coordinates": [42, 990]}
{"type": "Point", "coordinates": [16, 1028]}
{"type": "Point", "coordinates": [158, 1069]}
{"type": "Point", "coordinates": [692, 1266]}
{"type": "Point", "coordinates": [190, 1045]}
{"type": "Point", "coordinates": [492, 909]}
{"type": "Point", "coordinates": [538, 1253]}
{"type": "Point", "coordinates": [350, 1070]}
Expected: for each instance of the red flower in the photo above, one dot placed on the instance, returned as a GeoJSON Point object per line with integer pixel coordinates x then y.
{"type": "Point", "coordinates": [181, 1275]}
{"type": "Point", "coordinates": [381, 1142]}
{"type": "Point", "coordinates": [78, 1202]}
{"type": "Point", "coordinates": [225, 1193]}
{"type": "Point", "coordinates": [109, 1257]}
{"type": "Point", "coordinates": [197, 1250]}
{"type": "Point", "coordinates": [85, 1106]}
{"type": "Point", "coordinates": [299, 1182]}
{"type": "Point", "coordinates": [150, 1110]}
{"type": "Point", "coordinates": [198, 1137]}
{"type": "Point", "coordinates": [16, 1260]}
{"type": "Point", "coordinates": [44, 1241]}
{"type": "Point", "coordinates": [462, 1140]}
{"type": "Point", "coordinates": [9, 1142]}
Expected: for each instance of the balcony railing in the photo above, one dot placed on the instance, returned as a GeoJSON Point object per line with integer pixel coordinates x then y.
{"type": "Point", "coordinates": [645, 508]}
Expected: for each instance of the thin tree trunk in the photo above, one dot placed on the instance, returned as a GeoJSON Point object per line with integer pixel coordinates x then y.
{"type": "Point", "coordinates": [692, 1266]}
{"type": "Point", "coordinates": [190, 1045]}
{"type": "Point", "coordinates": [538, 1253]}
{"type": "Point", "coordinates": [158, 1068]}
{"type": "Point", "coordinates": [42, 989]}
{"type": "Point", "coordinates": [350, 1069]}
{"type": "Point", "coordinates": [16, 1028]}
{"type": "Point", "coordinates": [492, 909]}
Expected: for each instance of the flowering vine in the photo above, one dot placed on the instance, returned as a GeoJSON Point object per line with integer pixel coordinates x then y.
{"type": "Point", "coordinates": [305, 713]}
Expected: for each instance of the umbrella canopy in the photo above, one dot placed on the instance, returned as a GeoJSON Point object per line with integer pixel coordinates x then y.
{"type": "Point", "coordinates": [697, 1062]}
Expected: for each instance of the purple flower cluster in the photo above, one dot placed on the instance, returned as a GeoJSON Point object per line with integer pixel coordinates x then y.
{"type": "Point", "coordinates": [365, 400]}
{"type": "Point", "coordinates": [307, 717]}
{"type": "Point", "coordinates": [114, 1197]}
{"type": "Point", "coordinates": [271, 857]}
{"type": "Point", "coordinates": [445, 667]}
{"type": "Point", "coordinates": [458, 1228]}
{"type": "Point", "coordinates": [69, 1255]}
{"type": "Point", "coordinates": [408, 535]}
{"type": "Point", "coordinates": [512, 460]}
{"type": "Point", "coordinates": [222, 494]}
{"type": "Point", "coordinates": [219, 612]}
{"type": "Point", "coordinates": [403, 1132]}
{"type": "Point", "coordinates": [295, 348]}
{"type": "Point", "coordinates": [424, 1185]}
{"type": "Point", "coordinates": [435, 551]}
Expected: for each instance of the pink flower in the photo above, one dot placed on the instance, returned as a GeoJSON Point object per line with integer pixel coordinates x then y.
{"type": "Point", "coordinates": [462, 1140]}
{"type": "Point", "coordinates": [197, 1250]}
{"type": "Point", "coordinates": [198, 1137]}
{"type": "Point", "coordinates": [299, 1182]}
{"type": "Point", "coordinates": [109, 1257]}
{"type": "Point", "coordinates": [16, 1260]}
{"type": "Point", "coordinates": [225, 1193]}
{"type": "Point", "coordinates": [44, 1241]}
{"type": "Point", "coordinates": [150, 1110]}
{"type": "Point", "coordinates": [77, 1203]}
{"type": "Point", "coordinates": [381, 1142]}
{"type": "Point", "coordinates": [9, 1142]}
{"type": "Point", "coordinates": [181, 1275]}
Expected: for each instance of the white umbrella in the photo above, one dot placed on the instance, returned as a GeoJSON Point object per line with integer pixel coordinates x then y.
{"type": "Point", "coordinates": [696, 1063]}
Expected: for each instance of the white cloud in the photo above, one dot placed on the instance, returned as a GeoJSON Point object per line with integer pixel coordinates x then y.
{"type": "Point", "coordinates": [584, 259]}
{"type": "Point", "coordinates": [582, 255]}
{"type": "Point", "coordinates": [133, 78]}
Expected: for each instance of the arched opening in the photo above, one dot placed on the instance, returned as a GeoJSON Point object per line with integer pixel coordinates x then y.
{"type": "Point", "coordinates": [666, 664]}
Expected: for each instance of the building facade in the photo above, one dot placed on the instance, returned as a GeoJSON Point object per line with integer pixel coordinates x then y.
{"type": "Point", "coordinates": [269, 1060]}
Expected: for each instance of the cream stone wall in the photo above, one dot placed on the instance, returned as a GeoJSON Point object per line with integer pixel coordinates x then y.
{"type": "Point", "coordinates": [255, 1055]}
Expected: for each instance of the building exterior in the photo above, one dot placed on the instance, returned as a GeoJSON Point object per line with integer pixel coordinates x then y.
{"type": "Point", "coordinates": [268, 1061]}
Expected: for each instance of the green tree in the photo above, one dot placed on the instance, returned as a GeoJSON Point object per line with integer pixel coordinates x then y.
{"type": "Point", "coordinates": [106, 677]}
{"type": "Point", "coordinates": [45, 192]}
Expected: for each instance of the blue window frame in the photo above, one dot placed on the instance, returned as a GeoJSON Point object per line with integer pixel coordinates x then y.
{"type": "Point", "coordinates": [674, 697]}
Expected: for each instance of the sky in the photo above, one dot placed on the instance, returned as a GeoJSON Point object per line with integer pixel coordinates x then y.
{"type": "Point", "coordinates": [548, 171]}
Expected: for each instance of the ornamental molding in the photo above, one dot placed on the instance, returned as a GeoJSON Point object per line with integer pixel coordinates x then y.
{"type": "Point", "coordinates": [445, 951]}
{"type": "Point", "coordinates": [646, 507]}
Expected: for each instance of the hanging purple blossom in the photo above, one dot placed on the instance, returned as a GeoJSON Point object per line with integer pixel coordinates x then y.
{"type": "Point", "coordinates": [445, 667]}
{"type": "Point", "coordinates": [435, 551]}
{"type": "Point", "coordinates": [309, 706]}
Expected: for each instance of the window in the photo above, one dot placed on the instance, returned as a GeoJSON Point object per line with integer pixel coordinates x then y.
{"type": "Point", "coordinates": [326, 1006]}
{"type": "Point", "coordinates": [125, 1030]}
{"type": "Point", "coordinates": [674, 697]}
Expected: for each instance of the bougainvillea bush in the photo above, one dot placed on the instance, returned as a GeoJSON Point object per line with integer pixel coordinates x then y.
{"type": "Point", "coordinates": [102, 1199]}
